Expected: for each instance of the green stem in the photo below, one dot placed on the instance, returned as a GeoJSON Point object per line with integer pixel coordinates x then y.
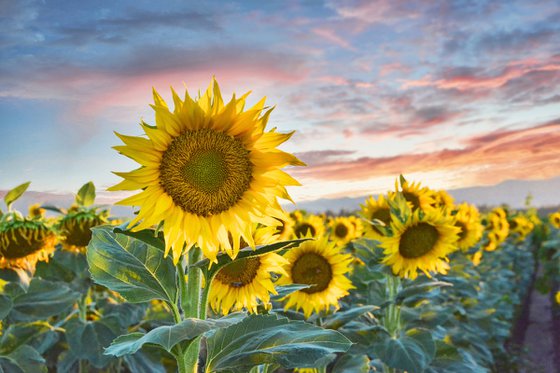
{"type": "Point", "coordinates": [392, 320]}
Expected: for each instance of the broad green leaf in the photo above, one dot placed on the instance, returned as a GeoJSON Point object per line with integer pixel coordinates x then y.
{"type": "Point", "coordinates": [42, 299]}
{"type": "Point", "coordinates": [17, 335]}
{"type": "Point", "coordinates": [269, 339]}
{"type": "Point", "coordinates": [24, 359]}
{"type": "Point", "coordinates": [86, 195]}
{"type": "Point", "coordinates": [141, 362]}
{"type": "Point", "coordinates": [145, 235]}
{"type": "Point", "coordinates": [224, 259]}
{"type": "Point", "coordinates": [5, 306]}
{"type": "Point", "coordinates": [131, 267]}
{"type": "Point", "coordinates": [342, 318]}
{"type": "Point", "coordinates": [414, 290]}
{"type": "Point", "coordinates": [351, 364]}
{"type": "Point", "coordinates": [412, 352]}
{"type": "Point", "coordinates": [168, 336]}
{"type": "Point", "coordinates": [15, 193]}
{"type": "Point", "coordinates": [87, 340]}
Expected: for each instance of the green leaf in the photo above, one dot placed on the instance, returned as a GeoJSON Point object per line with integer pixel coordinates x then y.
{"type": "Point", "coordinates": [418, 289]}
{"type": "Point", "coordinates": [86, 195]}
{"type": "Point", "coordinates": [269, 339]}
{"type": "Point", "coordinates": [15, 193]}
{"type": "Point", "coordinates": [351, 364]}
{"type": "Point", "coordinates": [141, 362]}
{"type": "Point", "coordinates": [146, 235]}
{"type": "Point", "coordinates": [168, 336]}
{"type": "Point", "coordinates": [25, 359]}
{"type": "Point", "coordinates": [342, 318]}
{"type": "Point", "coordinates": [5, 306]}
{"type": "Point", "coordinates": [53, 208]}
{"type": "Point", "coordinates": [131, 267]}
{"type": "Point", "coordinates": [224, 259]}
{"type": "Point", "coordinates": [285, 290]}
{"type": "Point", "coordinates": [42, 300]}
{"type": "Point", "coordinates": [412, 351]}
{"type": "Point", "coordinates": [87, 340]}
{"type": "Point", "coordinates": [17, 335]}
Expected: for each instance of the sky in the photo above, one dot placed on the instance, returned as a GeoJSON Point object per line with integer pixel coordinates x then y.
{"type": "Point", "coordinates": [450, 93]}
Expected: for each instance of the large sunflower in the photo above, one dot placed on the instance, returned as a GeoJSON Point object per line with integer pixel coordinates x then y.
{"type": "Point", "coordinates": [468, 220]}
{"type": "Point", "coordinates": [342, 230]}
{"type": "Point", "coordinates": [208, 170]}
{"type": "Point", "coordinates": [376, 210]}
{"type": "Point", "coordinates": [322, 264]}
{"type": "Point", "coordinates": [422, 242]}
{"type": "Point", "coordinates": [309, 226]}
{"type": "Point", "coordinates": [24, 241]}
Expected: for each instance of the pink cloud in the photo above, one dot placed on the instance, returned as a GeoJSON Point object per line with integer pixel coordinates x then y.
{"type": "Point", "coordinates": [329, 35]}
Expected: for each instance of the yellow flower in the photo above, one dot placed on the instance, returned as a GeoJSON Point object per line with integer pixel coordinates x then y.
{"type": "Point", "coordinates": [442, 199]}
{"type": "Point", "coordinates": [376, 210]}
{"type": "Point", "coordinates": [521, 225]}
{"type": "Point", "coordinates": [36, 211]}
{"type": "Point", "coordinates": [285, 231]}
{"type": "Point", "coordinates": [497, 228]}
{"type": "Point", "coordinates": [75, 228]}
{"type": "Point", "coordinates": [468, 220]}
{"type": "Point", "coordinates": [309, 226]}
{"type": "Point", "coordinates": [417, 197]}
{"type": "Point", "coordinates": [24, 242]}
{"type": "Point", "coordinates": [557, 297]}
{"type": "Point", "coordinates": [358, 225]}
{"type": "Point", "coordinates": [342, 230]}
{"type": "Point", "coordinates": [242, 283]}
{"type": "Point", "coordinates": [555, 219]}
{"type": "Point", "coordinates": [477, 257]}
{"type": "Point", "coordinates": [208, 170]}
{"type": "Point", "coordinates": [422, 242]}
{"type": "Point", "coordinates": [322, 264]}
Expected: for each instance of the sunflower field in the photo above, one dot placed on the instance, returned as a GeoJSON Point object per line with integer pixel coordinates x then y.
{"type": "Point", "coordinates": [212, 275]}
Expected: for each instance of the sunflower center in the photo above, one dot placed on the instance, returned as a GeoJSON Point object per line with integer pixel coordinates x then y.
{"type": "Point", "coordinates": [302, 229]}
{"type": "Point", "coordinates": [412, 198]}
{"type": "Point", "coordinates": [239, 272]}
{"type": "Point", "coordinates": [418, 240]}
{"type": "Point", "coordinates": [22, 241]}
{"type": "Point", "coordinates": [341, 230]}
{"type": "Point", "coordinates": [384, 215]}
{"type": "Point", "coordinates": [463, 227]}
{"type": "Point", "coordinates": [206, 172]}
{"type": "Point", "coordinates": [312, 269]}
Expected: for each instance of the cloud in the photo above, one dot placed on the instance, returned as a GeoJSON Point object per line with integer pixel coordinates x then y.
{"type": "Point", "coordinates": [317, 157]}
{"type": "Point", "coordinates": [531, 153]}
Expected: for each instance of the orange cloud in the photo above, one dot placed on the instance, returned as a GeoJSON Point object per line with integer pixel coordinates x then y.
{"type": "Point", "coordinates": [532, 153]}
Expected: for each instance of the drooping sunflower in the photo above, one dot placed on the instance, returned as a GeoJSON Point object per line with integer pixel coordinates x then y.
{"type": "Point", "coordinates": [422, 242]}
{"type": "Point", "coordinates": [75, 228]}
{"type": "Point", "coordinates": [311, 225]}
{"type": "Point", "coordinates": [322, 264]}
{"type": "Point", "coordinates": [245, 282]}
{"type": "Point", "coordinates": [208, 170]}
{"type": "Point", "coordinates": [342, 230]}
{"type": "Point", "coordinates": [554, 219]}
{"type": "Point", "coordinates": [376, 210]}
{"type": "Point", "coordinates": [418, 197]}
{"type": "Point", "coordinates": [24, 242]}
{"type": "Point", "coordinates": [467, 220]}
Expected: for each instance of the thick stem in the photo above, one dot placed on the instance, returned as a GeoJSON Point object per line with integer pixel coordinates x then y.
{"type": "Point", "coordinates": [392, 320]}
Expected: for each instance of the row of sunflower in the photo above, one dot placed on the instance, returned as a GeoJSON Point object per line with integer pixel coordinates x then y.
{"type": "Point", "coordinates": [212, 275]}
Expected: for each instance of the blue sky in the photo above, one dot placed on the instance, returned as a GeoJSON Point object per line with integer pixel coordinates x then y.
{"type": "Point", "coordinates": [451, 93]}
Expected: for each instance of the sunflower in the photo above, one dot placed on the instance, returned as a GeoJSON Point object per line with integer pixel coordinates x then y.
{"type": "Point", "coordinates": [521, 225]}
{"type": "Point", "coordinates": [497, 228]}
{"type": "Point", "coordinates": [322, 264]}
{"type": "Point", "coordinates": [557, 297]}
{"type": "Point", "coordinates": [358, 225]}
{"type": "Point", "coordinates": [477, 258]}
{"type": "Point", "coordinates": [422, 242]}
{"type": "Point", "coordinates": [554, 219]}
{"type": "Point", "coordinates": [467, 220]}
{"type": "Point", "coordinates": [442, 199]}
{"type": "Point", "coordinates": [246, 281]}
{"type": "Point", "coordinates": [208, 171]}
{"type": "Point", "coordinates": [36, 211]}
{"type": "Point", "coordinates": [376, 210]}
{"type": "Point", "coordinates": [75, 228]}
{"type": "Point", "coordinates": [417, 197]}
{"type": "Point", "coordinates": [309, 226]}
{"type": "Point", "coordinates": [285, 230]}
{"type": "Point", "coordinates": [24, 242]}
{"type": "Point", "coordinates": [342, 230]}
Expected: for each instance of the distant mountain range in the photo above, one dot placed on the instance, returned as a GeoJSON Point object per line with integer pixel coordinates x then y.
{"type": "Point", "coordinates": [546, 193]}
